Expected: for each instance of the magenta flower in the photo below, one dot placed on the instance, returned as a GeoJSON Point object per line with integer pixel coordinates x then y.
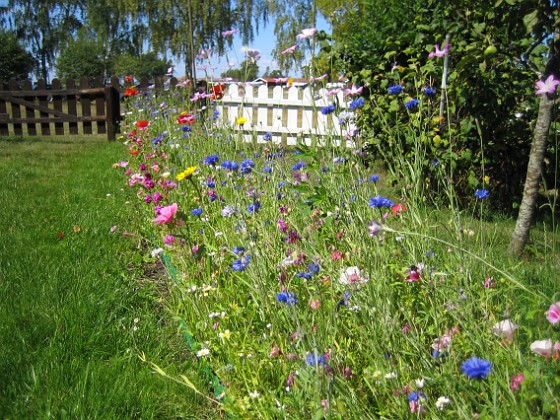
{"type": "Point", "coordinates": [516, 382]}
{"type": "Point", "coordinates": [553, 313]}
{"type": "Point", "coordinates": [230, 32]}
{"type": "Point", "coordinates": [548, 86]}
{"type": "Point", "coordinates": [290, 49]}
{"type": "Point", "coordinates": [439, 53]}
{"type": "Point", "coordinates": [306, 33]}
{"type": "Point", "coordinates": [166, 214]}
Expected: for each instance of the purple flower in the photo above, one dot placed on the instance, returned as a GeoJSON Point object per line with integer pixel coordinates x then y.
{"type": "Point", "coordinates": [379, 202]}
{"type": "Point", "coordinates": [329, 109]}
{"type": "Point", "coordinates": [254, 207]}
{"type": "Point", "coordinates": [303, 275]}
{"type": "Point", "coordinates": [267, 136]}
{"type": "Point", "coordinates": [298, 166]}
{"type": "Point", "coordinates": [231, 165]}
{"type": "Point", "coordinates": [429, 91]}
{"type": "Point", "coordinates": [476, 368]}
{"type": "Point", "coordinates": [374, 178]}
{"type": "Point", "coordinates": [196, 212]}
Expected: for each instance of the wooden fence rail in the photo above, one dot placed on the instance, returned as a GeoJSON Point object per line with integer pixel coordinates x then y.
{"type": "Point", "coordinates": [78, 108]}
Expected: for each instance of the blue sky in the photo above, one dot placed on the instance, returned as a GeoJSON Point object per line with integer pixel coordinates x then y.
{"type": "Point", "coordinates": [265, 42]}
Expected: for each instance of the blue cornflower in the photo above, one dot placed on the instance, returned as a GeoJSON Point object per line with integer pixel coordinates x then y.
{"type": "Point", "coordinates": [267, 136]}
{"type": "Point", "coordinates": [210, 184]}
{"type": "Point", "coordinates": [435, 162]}
{"type": "Point", "coordinates": [267, 169]}
{"type": "Point", "coordinates": [415, 396]}
{"type": "Point", "coordinates": [329, 109]}
{"type": "Point", "coordinates": [374, 178]}
{"type": "Point", "coordinates": [429, 91]}
{"type": "Point", "coordinates": [338, 160]}
{"type": "Point", "coordinates": [254, 207]}
{"type": "Point", "coordinates": [313, 268]}
{"type": "Point", "coordinates": [281, 184]}
{"type": "Point", "coordinates": [231, 165]}
{"type": "Point", "coordinates": [287, 297]}
{"type": "Point", "coordinates": [298, 166]}
{"type": "Point", "coordinates": [379, 202]}
{"type": "Point", "coordinates": [215, 115]}
{"type": "Point", "coordinates": [395, 89]}
{"type": "Point", "coordinates": [238, 250]}
{"type": "Point", "coordinates": [186, 128]}
{"type": "Point", "coordinates": [413, 103]}
{"type": "Point", "coordinates": [304, 275]}
{"type": "Point", "coordinates": [476, 368]}
{"type": "Point", "coordinates": [313, 359]}
{"type": "Point", "coordinates": [482, 194]}
{"type": "Point", "coordinates": [246, 166]}
{"type": "Point", "coordinates": [357, 103]}
{"type": "Point", "coordinates": [325, 169]}
{"type": "Point", "coordinates": [196, 212]}
{"type": "Point", "coordinates": [241, 264]}
{"type": "Point", "coordinates": [211, 160]}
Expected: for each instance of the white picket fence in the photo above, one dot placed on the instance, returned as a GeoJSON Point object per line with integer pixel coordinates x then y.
{"type": "Point", "coordinates": [291, 115]}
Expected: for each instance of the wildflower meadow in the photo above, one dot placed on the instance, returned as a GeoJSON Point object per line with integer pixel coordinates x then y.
{"type": "Point", "coordinates": [324, 281]}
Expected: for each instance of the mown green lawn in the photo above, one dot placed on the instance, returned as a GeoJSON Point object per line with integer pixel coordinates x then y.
{"type": "Point", "coordinates": [76, 306]}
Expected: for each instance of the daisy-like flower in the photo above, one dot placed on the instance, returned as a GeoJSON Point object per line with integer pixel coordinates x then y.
{"type": "Point", "coordinates": [548, 86]}
{"type": "Point", "coordinates": [202, 352]}
{"type": "Point", "coordinates": [241, 120]}
{"type": "Point", "coordinates": [442, 402]}
{"type": "Point", "coordinates": [354, 91]}
{"type": "Point", "coordinates": [166, 214]}
{"type": "Point", "coordinates": [353, 275]}
{"type": "Point", "coordinates": [290, 50]}
{"type": "Point", "coordinates": [439, 53]}
{"type": "Point", "coordinates": [186, 174]}
{"type": "Point", "coordinates": [224, 335]}
{"type": "Point", "coordinates": [230, 32]}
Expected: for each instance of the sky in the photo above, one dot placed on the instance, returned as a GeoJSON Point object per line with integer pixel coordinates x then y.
{"type": "Point", "coordinates": [264, 42]}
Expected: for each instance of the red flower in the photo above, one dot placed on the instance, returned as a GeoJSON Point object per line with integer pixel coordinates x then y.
{"type": "Point", "coordinates": [398, 209]}
{"type": "Point", "coordinates": [185, 119]}
{"type": "Point", "coordinates": [142, 124]}
{"type": "Point", "coordinates": [129, 79]}
{"type": "Point", "coordinates": [133, 152]}
{"type": "Point", "coordinates": [131, 91]}
{"type": "Point", "coordinates": [218, 91]}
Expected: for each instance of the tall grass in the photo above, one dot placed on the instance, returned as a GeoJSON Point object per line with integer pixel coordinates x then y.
{"type": "Point", "coordinates": [78, 304]}
{"type": "Point", "coordinates": [314, 288]}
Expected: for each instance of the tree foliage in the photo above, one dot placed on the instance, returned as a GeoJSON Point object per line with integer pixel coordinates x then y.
{"type": "Point", "coordinates": [15, 62]}
{"type": "Point", "coordinates": [248, 71]}
{"type": "Point", "coordinates": [81, 58]}
{"type": "Point", "coordinates": [497, 53]}
{"type": "Point", "coordinates": [144, 65]}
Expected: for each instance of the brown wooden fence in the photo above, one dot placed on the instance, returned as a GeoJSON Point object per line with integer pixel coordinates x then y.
{"type": "Point", "coordinates": [87, 107]}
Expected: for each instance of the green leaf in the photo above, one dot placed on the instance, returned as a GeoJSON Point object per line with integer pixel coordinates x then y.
{"type": "Point", "coordinates": [531, 20]}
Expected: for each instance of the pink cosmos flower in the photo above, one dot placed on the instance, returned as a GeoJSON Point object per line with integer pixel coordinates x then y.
{"type": "Point", "coordinates": [542, 347]}
{"type": "Point", "coordinates": [553, 313]}
{"type": "Point", "coordinates": [230, 32]}
{"type": "Point", "coordinates": [290, 49]}
{"type": "Point", "coordinates": [439, 53]}
{"type": "Point", "coordinates": [505, 329]}
{"type": "Point", "coordinates": [306, 33]}
{"type": "Point", "coordinates": [203, 54]}
{"type": "Point", "coordinates": [548, 86]}
{"type": "Point", "coordinates": [166, 214]}
{"type": "Point", "coordinates": [354, 90]}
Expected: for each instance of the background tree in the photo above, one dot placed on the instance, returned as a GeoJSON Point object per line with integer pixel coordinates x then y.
{"type": "Point", "coordinates": [81, 58]}
{"type": "Point", "coordinates": [15, 62]}
{"type": "Point", "coordinates": [45, 26]}
{"type": "Point", "coordinates": [248, 71]}
{"type": "Point", "coordinates": [144, 65]}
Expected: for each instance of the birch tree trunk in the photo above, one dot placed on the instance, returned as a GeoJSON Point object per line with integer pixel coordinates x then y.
{"type": "Point", "coordinates": [520, 234]}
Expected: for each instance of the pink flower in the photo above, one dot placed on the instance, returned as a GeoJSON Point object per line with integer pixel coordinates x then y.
{"type": "Point", "coordinates": [230, 32]}
{"type": "Point", "coordinates": [166, 214]}
{"type": "Point", "coordinates": [505, 329]}
{"type": "Point", "coordinates": [354, 90]}
{"type": "Point", "coordinates": [306, 33]}
{"type": "Point", "coordinates": [439, 53]}
{"type": "Point", "coordinates": [290, 49]}
{"type": "Point", "coordinates": [516, 382]}
{"type": "Point", "coordinates": [553, 314]}
{"type": "Point", "coordinates": [542, 347]}
{"type": "Point", "coordinates": [548, 86]}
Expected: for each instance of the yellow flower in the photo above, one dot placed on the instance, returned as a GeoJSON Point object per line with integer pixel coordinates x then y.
{"type": "Point", "coordinates": [241, 120]}
{"type": "Point", "coordinates": [225, 335]}
{"type": "Point", "coordinates": [186, 174]}
{"type": "Point", "coordinates": [486, 180]}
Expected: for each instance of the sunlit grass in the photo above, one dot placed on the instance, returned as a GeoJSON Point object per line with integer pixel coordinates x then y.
{"type": "Point", "coordinates": [77, 307]}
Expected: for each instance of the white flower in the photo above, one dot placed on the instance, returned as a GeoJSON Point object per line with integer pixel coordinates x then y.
{"type": "Point", "coordinates": [157, 252]}
{"type": "Point", "coordinates": [419, 383]}
{"type": "Point", "coordinates": [203, 352]}
{"type": "Point", "coordinates": [505, 329]}
{"type": "Point", "coordinates": [254, 394]}
{"type": "Point", "coordinates": [390, 375]}
{"type": "Point", "coordinates": [442, 402]}
{"type": "Point", "coordinates": [542, 347]}
{"type": "Point", "coordinates": [353, 275]}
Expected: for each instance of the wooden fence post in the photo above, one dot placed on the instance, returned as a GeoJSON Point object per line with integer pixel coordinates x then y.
{"type": "Point", "coordinates": [29, 112]}
{"type": "Point", "coordinates": [4, 128]}
{"type": "Point", "coordinates": [113, 111]}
